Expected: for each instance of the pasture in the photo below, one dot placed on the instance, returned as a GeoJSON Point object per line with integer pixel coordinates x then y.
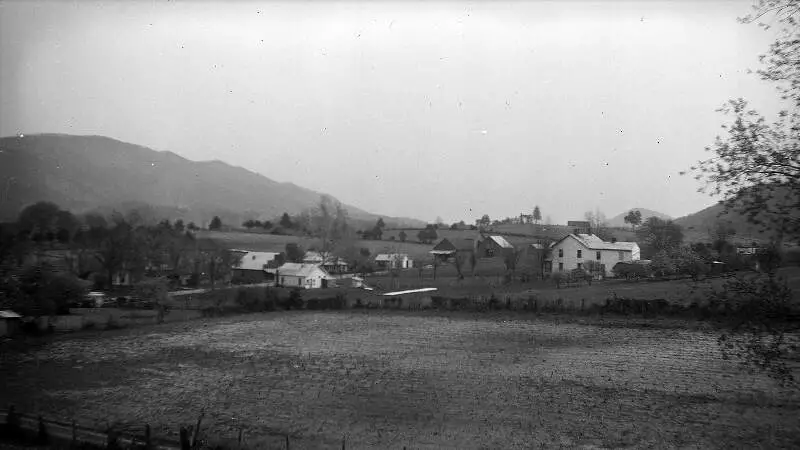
{"type": "Point", "coordinates": [263, 242]}
{"type": "Point", "coordinates": [424, 381]}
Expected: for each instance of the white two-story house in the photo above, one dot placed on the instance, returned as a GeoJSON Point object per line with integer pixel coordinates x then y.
{"type": "Point", "coordinates": [574, 250]}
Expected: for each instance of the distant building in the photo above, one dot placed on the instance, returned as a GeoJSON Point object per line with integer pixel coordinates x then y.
{"type": "Point", "coordinates": [393, 261]}
{"type": "Point", "coordinates": [449, 248]}
{"type": "Point", "coordinates": [332, 264]}
{"type": "Point", "coordinates": [254, 267]}
{"type": "Point", "coordinates": [10, 323]}
{"type": "Point", "coordinates": [305, 276]}
{"type": "Point", "coordinates": [579, 226]}
{"type": "Point", "coordinates": [493, 246]}
{"type": "Point", "coordinates": [574, 250]}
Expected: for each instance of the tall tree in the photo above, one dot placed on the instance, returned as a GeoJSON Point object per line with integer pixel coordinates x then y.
{"type": "Point", "coordinates": [39, 221]}
{"type": "Point", "coordinates": [634, 217]}
{"type": "Point", "coordinates": [402, 235]}
{"type": "Point", "coordinates": [755, 168]}
{"type": "Point", "coordinates": [216, 223]}
{"type": "Point", "coordinates": [755, 165]}
{"type": "Point", "coordinates": [660, 235]}
{"type": "Point", "coordinates": [286, 221]}
{"type": "Point", "coordinates": [537, 214]}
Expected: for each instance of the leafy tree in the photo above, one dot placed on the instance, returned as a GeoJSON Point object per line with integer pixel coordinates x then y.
{"type": "Point", "coordinates": [596, 219]}
{"type": "Point", "coordinates": [294, 252]}
{"type": "Point", "coordinates": [286, 221]}
{"type": "Point", "coordinates": [93, 220]}
{"type": "Point", "coordinates": [216, 223]}
{"type": "Point", "coordinates": [663, 265]}
{"type": "Point", "coordinates": [762, 324]}
{"type": "Point", "coordinates": [179, 226]}
{"type": "Point", "coordinates": [537, 214]}
{"type": "Point", "coordinates": [427, 236]}
{"type": "Point", "coordinates": [375, 233]}
{"type": "Point", "coordinates": [484, 221]}
{"type": "Point", "coordinates": [380, 224]}
{"type": "Point", "coordinates": [402, 235]}
{"type": "Point", "coordinates": [658, 234]}
{"type": "Point", "coordinates": [45, 291]}
{"type": "Point", "coordinates": [155, 290]}
{"type": "Point", "coordinates": [755, 166]}
{"type": "Point", "coordinates": [266, 225]}
{"type": "Point", "coordinates": [192, 227]}
{"type": "Point", "coordinates": [634, 217]}
{"type": "Point", "coordinates": [218, 263]}
{"type": "Point", "coordinates": [454, 226]}
{"type": "Point", "coordinates": [249, 223]}
{"type": "Point", "coordinates": [39, 220]}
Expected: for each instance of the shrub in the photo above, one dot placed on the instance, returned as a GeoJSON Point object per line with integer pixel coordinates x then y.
{"type": "Point", "coordinates": [763, 322]}
{"type": "Point", "coordinates": [41, 291]}
{"type": "Point", "coordinates": [295, 300]}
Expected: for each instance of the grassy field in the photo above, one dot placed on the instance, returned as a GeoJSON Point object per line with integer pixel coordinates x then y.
{"type": "Point", "coordinates": [277, 243]}
{"type": "Point", "coordinates": [427, 381]}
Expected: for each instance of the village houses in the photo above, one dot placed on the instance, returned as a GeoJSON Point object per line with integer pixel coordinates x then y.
{"type": "Point", "coordinates": [574, 250]}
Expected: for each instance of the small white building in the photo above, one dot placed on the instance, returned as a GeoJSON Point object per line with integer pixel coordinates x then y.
{"type": "Point", "coordinates": [574, 250]}
{"type": "Point", "coordinates": [305, 276]}
{"type": "Point", "coordinates": [394, 261]}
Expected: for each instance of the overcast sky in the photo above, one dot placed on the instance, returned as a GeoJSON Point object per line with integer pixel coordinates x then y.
{"type": "Point", "coordinates": [415, 109]}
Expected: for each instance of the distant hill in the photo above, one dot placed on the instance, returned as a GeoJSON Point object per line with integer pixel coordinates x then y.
{"type": "Point", "coordinates": [619, 219]}
{"type": "Point", "coordinates": [83, 173]}
{"type": "Point", "coordinates": [699, 227]}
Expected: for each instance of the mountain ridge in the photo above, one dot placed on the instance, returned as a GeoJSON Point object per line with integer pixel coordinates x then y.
{"type": "Point", "coordinates": [85, 172]}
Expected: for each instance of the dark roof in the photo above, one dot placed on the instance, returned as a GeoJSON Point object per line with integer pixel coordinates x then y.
{"type": "Point", "coordinates": [455, 244]}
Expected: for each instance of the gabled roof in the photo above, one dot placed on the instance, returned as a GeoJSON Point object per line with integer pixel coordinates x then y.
{"type": "Point", "coordinates": [300, 270]}
{"type": "Point", "coordinates": [256, 260]}
{"type": "Point", "coordinates": [454, 244]}
{"type": "Point", "coordinates": [593, 242]}
{"type": "Point", "coordinates": [8, 314]}
{"type": "Point", "coordinates": [501, 241]}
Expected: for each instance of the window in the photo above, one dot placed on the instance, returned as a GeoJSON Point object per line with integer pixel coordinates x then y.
{"type": "Point", "coordinates": [561, 253]}
{"type": "Point", "coordinates": [621, 255]}
{"type": "Point", "coordinates": [580, 253]}
{"type": "Point", "coordinates": [560, 267]}
{"type": "Point", "coordinates": [580, 265]}
{"type": "Point", "coordinates": [598, 256]}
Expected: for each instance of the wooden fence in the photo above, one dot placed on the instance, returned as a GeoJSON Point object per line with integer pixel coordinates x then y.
{"type": "Point", "coordinates": [28, 429]}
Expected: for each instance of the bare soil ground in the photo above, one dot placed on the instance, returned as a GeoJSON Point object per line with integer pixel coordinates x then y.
{"type": "Point", "coordinates": [388, 380]}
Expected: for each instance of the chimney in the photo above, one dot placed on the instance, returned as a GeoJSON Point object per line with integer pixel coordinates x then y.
{"type": "Point", "coordinates": [613, 240]}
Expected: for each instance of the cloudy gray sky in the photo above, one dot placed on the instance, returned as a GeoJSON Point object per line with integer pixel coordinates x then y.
{"type": "Point", "coordinates": [448, 109]}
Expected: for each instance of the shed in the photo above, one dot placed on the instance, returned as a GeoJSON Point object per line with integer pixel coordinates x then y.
{"type": "Point", "coordinates": [10, 323]}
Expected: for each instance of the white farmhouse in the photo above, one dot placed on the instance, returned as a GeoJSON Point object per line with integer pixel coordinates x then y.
{"type": "Point", "coordinates": [574, 250]}
{"type": "Point", "coordinates": [394, 261]}
{"type": "Point", "coordinates": [306, 276]}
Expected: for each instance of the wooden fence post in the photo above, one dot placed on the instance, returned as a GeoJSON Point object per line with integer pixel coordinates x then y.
{"type": "Point", "coordinates": [148, 443]}
{"type": "Point", "coordinates": [43, 438]}
{"type": "Point", "coordinates": [12, 422]}
{"type": "Point", "coordinates": [583, 304]}
{"type": "Point", "coordinates": [184, 436]}
{"type": "Point", "coordinates": [343, 442]}
{"type": "Point", "coordinates": [197, 429]}
{"type": "Point", "coordinates": [74, 433]}
{"type": "Point", "coordinates": [241, 430]}
{"type": "Point", "coordinates": [287, 442]}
